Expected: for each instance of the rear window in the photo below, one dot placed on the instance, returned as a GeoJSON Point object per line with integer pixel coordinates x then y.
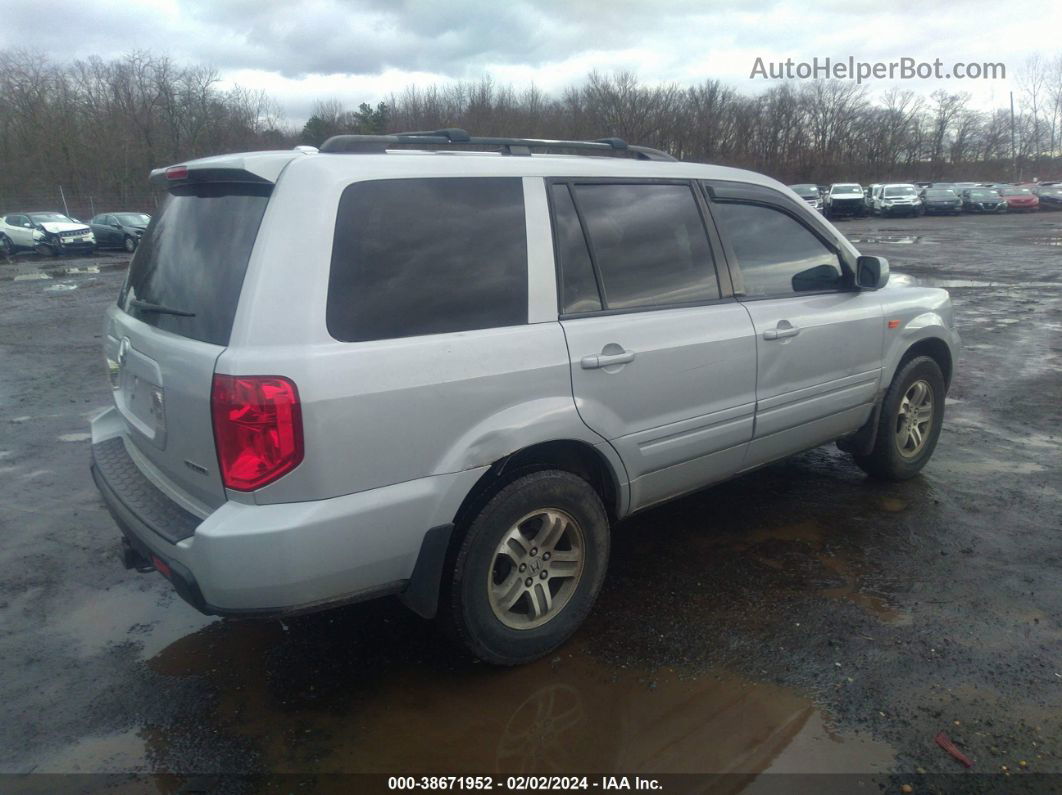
{"type": "Point", "coordinates": [192, 259]}
{"type": "Point", "coordinates": [428, 256]}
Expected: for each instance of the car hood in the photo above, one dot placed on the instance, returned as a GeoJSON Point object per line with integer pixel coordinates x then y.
{"type": "Point", "coordinates": [56, 227]}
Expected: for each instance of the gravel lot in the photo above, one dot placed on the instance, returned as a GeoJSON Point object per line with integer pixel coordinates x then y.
{"type": "Point", "coordinates": [799, 619]}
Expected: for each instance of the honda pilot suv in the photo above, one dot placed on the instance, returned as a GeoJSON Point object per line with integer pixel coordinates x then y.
{"type": "Point", "coordinates": [467, 366]}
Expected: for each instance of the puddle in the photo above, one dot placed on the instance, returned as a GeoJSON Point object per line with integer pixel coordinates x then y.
{"type": "Point", "coordinates": [62, 287]}
{"type": "Point", "coordinates": [852, 592]}
{"type": "Point", "coordinates": [929, 281]}
{"type": "Point", "coordinates": [554, 716]}
{"type": "Point", "coordinates": [815, 563]}
{"type": "Point", "coordinates": [892, 504]}
{"type": "Point", "coordinates": [894, 239]}
{"type": "Point", "coordinates": [129, 613]}
{"type": "Point", "coordinates": [1054, 241]}
{"type": "Point", "coordinates": [74, 437]}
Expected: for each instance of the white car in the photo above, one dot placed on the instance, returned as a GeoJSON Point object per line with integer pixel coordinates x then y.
{"type": "Point", "coordinates": [45, 232]}
{"type": "Point", "coordinates": [896, 199]}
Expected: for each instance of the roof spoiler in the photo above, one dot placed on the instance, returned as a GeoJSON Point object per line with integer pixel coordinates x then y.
{"type": "Point", "coordinates": [256, 168]}
{"type": "Point", "coordinates": [452, 136]}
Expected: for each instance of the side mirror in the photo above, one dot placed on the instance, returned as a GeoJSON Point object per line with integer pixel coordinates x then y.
{"type": "Point", "coordinates": [872, 273]}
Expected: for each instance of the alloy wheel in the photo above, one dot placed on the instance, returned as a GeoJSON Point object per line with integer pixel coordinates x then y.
{"type": "Point", "coordinates": [536, 568]}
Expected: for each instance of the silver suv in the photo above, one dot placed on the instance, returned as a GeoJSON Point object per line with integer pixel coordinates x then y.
{"type": "Point", "coordinates": [446, 374]}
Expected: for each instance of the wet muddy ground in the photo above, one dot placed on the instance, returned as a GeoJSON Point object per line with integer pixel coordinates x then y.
{"type": "Point", "coordinates": [799, 619]}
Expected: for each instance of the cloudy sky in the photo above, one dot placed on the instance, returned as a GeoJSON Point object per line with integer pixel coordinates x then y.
{"type": "Point", "coordinates": [361, 50]}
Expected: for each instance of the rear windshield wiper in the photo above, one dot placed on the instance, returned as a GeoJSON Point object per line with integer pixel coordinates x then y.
{"type": "Point", "coordinates": [158, 309]}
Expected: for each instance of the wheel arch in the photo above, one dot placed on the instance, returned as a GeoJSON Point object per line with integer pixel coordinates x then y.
{"type": "Point", "coordinates": [440, 545]}
{"type": "Point", "coordinates": [569, 455]}
{"type": "Point", "coordinates": [937, 350]}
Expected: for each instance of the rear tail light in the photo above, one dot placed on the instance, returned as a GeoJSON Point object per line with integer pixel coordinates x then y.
{"type": "Point", "coordinates": [177, 172]}
{"type": "Point", "coordinates": [257, 429]}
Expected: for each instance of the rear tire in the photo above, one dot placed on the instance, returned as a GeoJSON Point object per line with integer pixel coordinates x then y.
{"type": "Point", "coordinates": [529, 568]}
{"type": "Point", "coordinates": [912, 415]}
{"type": "Point", "coordinates": [129, 244]}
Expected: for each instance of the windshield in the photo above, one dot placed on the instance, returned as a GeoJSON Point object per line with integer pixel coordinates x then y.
{"type": "Point", "coordinates": [1014, 191]}
{"type": "Point", "coordinates": [846, 189]}
{"type": "Point", "coordinates": [193, 257]}
{"type": "Point", "coordinates": [49, 218]}
{"type": "Point", "coordinates": [809, 191]}
{"type": "Point", "coordinates": [133, 219]}
{"type": "Point", "coordinates": [983, 194]}
{"type": "Point", "coordinates": [940, 194]}
{"type": "Point", "coordinates": [900, 190]}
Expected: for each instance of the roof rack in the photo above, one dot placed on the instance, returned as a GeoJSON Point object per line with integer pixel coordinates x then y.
{"type": "Point", "coordinates": [378, 144]}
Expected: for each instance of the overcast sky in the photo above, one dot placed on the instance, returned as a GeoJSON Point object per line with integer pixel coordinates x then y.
{"type": "Point", "coordinates": [361, 50]}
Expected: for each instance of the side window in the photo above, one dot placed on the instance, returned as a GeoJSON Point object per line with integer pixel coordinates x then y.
{"type": "Point", "coordinates": [777, 255]}
{"type": "Point", "coordinates": [578, 286]}
{"type": "Point", "coordinates": [427, 256]}
{"type": "Point", "coordinates": [649, 244]}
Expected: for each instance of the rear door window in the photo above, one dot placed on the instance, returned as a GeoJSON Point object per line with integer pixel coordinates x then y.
{"type": "Point", "coordinates": [188, 270]}
{"type": "Point", "coordinates": [428, 256]}
{"type": "Point", "coordinates": [649, 244]}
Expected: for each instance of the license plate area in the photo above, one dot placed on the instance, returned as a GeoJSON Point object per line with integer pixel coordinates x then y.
{"type": "Point", "coordinates": [140, 396]}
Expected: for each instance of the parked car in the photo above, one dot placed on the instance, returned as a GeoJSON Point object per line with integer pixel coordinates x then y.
{"type": "Point", "coordinates": [1050, 196]}
{"type": "Point", "coordinates": [1019, 198]}
{"type": "Point", "coordinates": [868, 196]}
{"type": "Point", "coordinates": [810, 194]}
{"type": "Point", "coordinates": [119, 230]}
{"type": "Point", "coordinates": [845, 198]}
{"type": "Point", "coordinates": [983, 200]}
{"type": "Point", "coordinates": [47, 233]}
{"type": "Point", "coordinates": [937, 201]}
{"type": "Point", "coordinates": [897, 199]}
{"type": "Point", "coordinates": [494, 360]}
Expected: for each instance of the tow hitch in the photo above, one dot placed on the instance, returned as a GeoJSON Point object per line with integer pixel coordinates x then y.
{"type": "Point", "coordinates": [132, 559]}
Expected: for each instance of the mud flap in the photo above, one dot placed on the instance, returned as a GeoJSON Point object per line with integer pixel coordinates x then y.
{"type": "Point", "coordinates": [862, 441]}
{"type": "Point", "coordinates": [422, 594]}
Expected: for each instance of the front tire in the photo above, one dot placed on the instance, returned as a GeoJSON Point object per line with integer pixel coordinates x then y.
{"type": "Point", "coordinates": [529, 568]}
{"type": "Point", "coordinates": [6, 249]}
{"type": "Point", "coordinates": [912, 415]}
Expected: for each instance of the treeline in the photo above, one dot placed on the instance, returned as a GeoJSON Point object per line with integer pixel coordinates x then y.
{"type": "Point", "coordinates": [813, 131]}
{"type": "Point", "coordinates": [95, 127]}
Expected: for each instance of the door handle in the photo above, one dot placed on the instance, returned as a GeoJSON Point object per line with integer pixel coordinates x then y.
{"type": "Point", "coordinates": [784, 329]}
{"type": "Point", "coordinates": [597, 360]}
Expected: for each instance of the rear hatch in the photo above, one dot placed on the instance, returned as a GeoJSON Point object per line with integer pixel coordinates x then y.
{"type": "Point", "coordinates": [172, 321]}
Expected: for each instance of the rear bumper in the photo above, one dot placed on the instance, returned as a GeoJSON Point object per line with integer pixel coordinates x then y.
{"type": "Point", "coordinates": [246, 559]}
